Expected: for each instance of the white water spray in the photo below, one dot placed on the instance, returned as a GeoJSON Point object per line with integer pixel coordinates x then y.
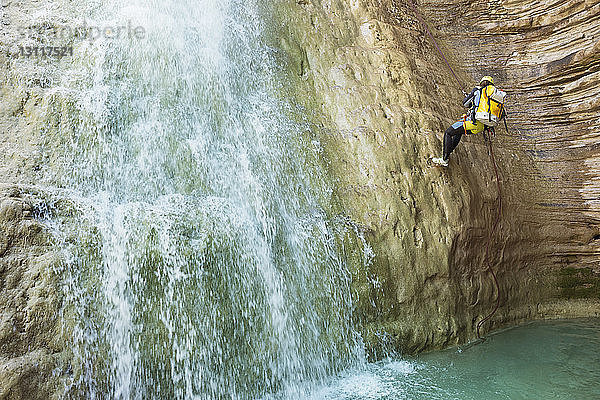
{"type": "Point", "coordinates": [206, 266]}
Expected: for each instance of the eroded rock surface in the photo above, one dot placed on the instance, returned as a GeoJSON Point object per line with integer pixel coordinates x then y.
{"type": "Point", "coordinates": [547, 56]}
{"type": "Point", "coordinates": [31, 344]}
{"type": "Point", "coordinates": [32, 341]}
{"type": "Point", "coordinates": [388, 96]}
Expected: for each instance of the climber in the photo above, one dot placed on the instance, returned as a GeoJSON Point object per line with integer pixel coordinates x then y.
{"type": "Point", "coordinates": [471, 123]}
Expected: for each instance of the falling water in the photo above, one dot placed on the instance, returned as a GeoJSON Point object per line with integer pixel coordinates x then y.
{"type": "Point", "coordinates": [202, 258]}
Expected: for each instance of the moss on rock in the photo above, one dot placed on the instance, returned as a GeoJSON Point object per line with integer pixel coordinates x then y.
{"type": "Point", "coordinates": [578, 283]}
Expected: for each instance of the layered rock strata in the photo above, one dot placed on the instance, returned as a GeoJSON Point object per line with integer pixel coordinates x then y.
{"type": "Point", "coordinates": [387, 96]}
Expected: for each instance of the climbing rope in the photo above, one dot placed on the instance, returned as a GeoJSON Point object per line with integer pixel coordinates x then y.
{"type": "Point", "coordinates": [489, 131]}
{"type": "Point", "coordinates": [488, 137]}
{"type": "Point", "coordinates": [420, 18]}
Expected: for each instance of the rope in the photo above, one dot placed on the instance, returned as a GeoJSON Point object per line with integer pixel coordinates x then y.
{"type": "Point", "coordinates": [487, 247]}
{"type": "Point", "coordinates": [420, 18]}
{"type": "Point", "coordinates": [493, 159]}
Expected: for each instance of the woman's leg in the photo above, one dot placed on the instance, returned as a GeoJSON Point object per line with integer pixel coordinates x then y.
{"type": "Point", "coordinates": [452, 138]}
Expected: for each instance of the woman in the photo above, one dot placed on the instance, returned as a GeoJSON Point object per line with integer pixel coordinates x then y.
{"type": "Point", "coordinates": [468, 124]}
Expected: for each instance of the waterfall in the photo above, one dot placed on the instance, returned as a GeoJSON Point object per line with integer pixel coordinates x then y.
{"type": "Point", "coordinates": [202, 257]}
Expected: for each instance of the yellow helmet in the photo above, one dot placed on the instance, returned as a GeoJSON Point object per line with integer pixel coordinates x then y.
{"type": "Point", "coordinates": [487, 78]}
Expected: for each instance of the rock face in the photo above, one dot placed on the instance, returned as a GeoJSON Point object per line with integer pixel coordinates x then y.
{"type": "Point", "coordinates": [388, 96]}
{"type": "Point", "coordinates": [31, 344]}
{"type": "Point", "coordinates": [32, 341]}
{"type": "Point", "coordinates": [547, 56]}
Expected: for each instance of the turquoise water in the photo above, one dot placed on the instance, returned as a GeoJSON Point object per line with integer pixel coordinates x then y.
{"type": "Point", "coordinates": [540, 360]}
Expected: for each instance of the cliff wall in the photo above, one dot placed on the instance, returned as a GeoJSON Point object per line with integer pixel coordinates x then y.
{"type": "Point", "coordinates": [388, 96]}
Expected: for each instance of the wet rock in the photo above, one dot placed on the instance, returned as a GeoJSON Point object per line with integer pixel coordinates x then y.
{"type": "Point", "coordinates": [31, 344]}
{"type": "Point", "coordinates": [386, 95]}
{"type": "Point", "coordinates": [11, 210]}
{"type": "Point", "coordinates": [24, 377]}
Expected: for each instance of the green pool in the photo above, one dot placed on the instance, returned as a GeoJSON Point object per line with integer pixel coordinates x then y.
{"type": "Point", "coordinates": [540, 360]}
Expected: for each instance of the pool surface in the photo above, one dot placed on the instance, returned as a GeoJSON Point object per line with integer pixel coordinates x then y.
{"type": "Point", "coordinates": [540, 360]}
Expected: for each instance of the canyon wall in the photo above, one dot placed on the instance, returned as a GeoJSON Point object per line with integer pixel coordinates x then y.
{"type": "Point", "coordinates": [387, 97]}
